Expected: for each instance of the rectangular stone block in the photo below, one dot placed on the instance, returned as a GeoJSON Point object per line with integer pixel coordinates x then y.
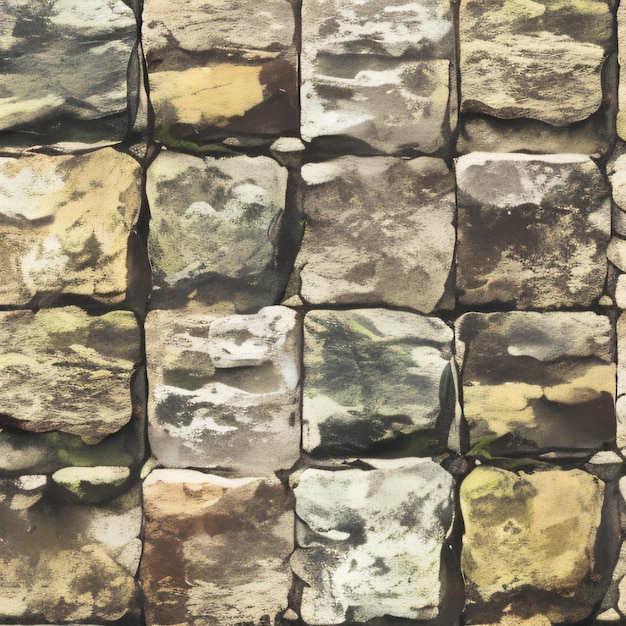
{"type": "Point", "coordinates": [224, 391]}
{"type": "Point", "coordinates": [216, 549]}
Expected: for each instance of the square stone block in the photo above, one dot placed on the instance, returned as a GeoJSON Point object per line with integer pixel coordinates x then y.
{"type": "Point", "coordinates": [224, 391]}
{"type": "Point", "coordinates": [216, 549]}
{"type": "Point", "coordinates": [372, 381]}
{"type": "Point", "coordinates": [375, 250]}
{"type": "Point", "coordinates": [378, 73]}
{"type": "Point", "coordinates": [533, 230]}
{"type": "Point", "coordinates": [370, 541]}
{"type": "Point", "coordinates": [537, 382]}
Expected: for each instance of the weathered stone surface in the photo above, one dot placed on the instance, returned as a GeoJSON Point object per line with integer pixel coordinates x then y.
{"type": "Point", "coordinates": [218, 68]}
{"type": "Point", "coordinates": [62, 369]}
{"type": "Point", "coordinates": [536, 382]}
{"type": "Point", "coordinates": [224, 391]}
{"type": "Point", "coordinates": [621, 57]}
{"type": "Point", "coordinates": [216, 549]}
{"type": "Point", "coordinates": [64, 562]}
{"type": "Point", "coordinates": [529, 544]}
{"type": "Point", "coordinates": [372, 378]}
{"type": "Point", "coordinates": [380, 74]}
{"type": "Point", "coordinates": [65, 225]}
{"type": "Point", "coordinates": [620, 404]}
{"type": "Point", "coordinates": [532, 59]}
{"type": "Point", "coordinates": [92, 484]}
{"type": "Point", "coordinates": [616, 170]}
{"type": "Point", "coordinates": [532, 230]}
{"type": "Point", "coordinates": [371, 252]}
{"type": "Point", "coordinates": [215, 226]}
{"type": "Point", "coordinates": [370, 543]}
{"type": "Point", "coordinates": [65, 59]}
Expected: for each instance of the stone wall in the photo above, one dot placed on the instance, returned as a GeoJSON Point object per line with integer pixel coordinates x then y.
{"type": "Point", "coordinates": [312, 313]}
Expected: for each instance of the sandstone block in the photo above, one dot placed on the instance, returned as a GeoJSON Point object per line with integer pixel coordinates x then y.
{"type": "Point", "coordinates": [621, 57]}
{"type": "Point", "coordinates": [224, 391]}
{"type": "Point", "coordinates": [532, 59]}
{"type": "Point", "coordinates": [376, 250]}
{"type": "Point", "coordinates": [371, 379]}
{"type": "Point", "coordinates": [537, 382]}
{"type": "Point", "coordinates": [529, 544]}
{"type": "Point", "coordinates": [370, 542]}
{"type": "Point", "coordinates": [379, 73]}
{"type": "Point", "coordinates": [532, 230]}
{"type": "Point", "coordinates": [64, 370]}
{"type": "Point", "coordinates": [216, 549]}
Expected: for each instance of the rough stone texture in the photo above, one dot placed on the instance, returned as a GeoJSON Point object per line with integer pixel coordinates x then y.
{"type": "Point", "coordinates": [529, 544]}
{"type": "Point", "coordinates": [216, 549]}
{"type": "Point", "coordinates": [64, 370]}
{"type": "Point", "coordinates": [218, 67]}
{"type": "Point", "coordinates": [379, 73]}
{"type": "Point", "coordinates": [374, 250]}
{"type": "Point", "coordinates": [62, 562]}
{"type": "Point", "coordinates": [371, 379]}
{"type": "Point", "coordinates": [532, 59]}
{"type": "Point", "coordinates": [92, 484]}
{"type": "Point", "coordinates": [536, 382]}
{"type": "Point", "coordinates": [65, 59]}
{"type": "Point", "coordinates": [215, 227]}
{"type": "Point", "coordinates": [370, 543]}
{"type": "Point", "coordinates": [620, 404]}
{"type": "Point", "coordinates": [616, 170]}
{"type": "Point", "coordinates": [65, 225]}
{"type": "Point", "coordinates": [621, 57]}
{"type": "Point", "coordinates": [224, 391]}
{"type": "Point", "coordinates": [532, 230]}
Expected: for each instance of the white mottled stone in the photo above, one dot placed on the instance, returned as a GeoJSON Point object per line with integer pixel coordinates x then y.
{"type": "Point", "coordinates": [91, 484]}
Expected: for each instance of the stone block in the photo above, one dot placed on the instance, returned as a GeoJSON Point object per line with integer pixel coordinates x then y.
{"type": "Point", "coordinates": [372, 380]}
{"type": "Point", "coordinates": [537, 382]}
{"type": "Point", "coordinates": [529, 548]}
{"type": "Point", "coordinates": [532, 230]}
{"type": "Point", "coordinates": [533, 60]}
{"type": "Point", "coordinates": [215, 228]}
{"type": "Point", "coordinates": [621, 58]}
{"type": "Point", "coordinates": [219, 68]}
{"type": "Point", "coordinates": [66, 222]}
{"type": "Point", "coordinates": [216, 549]}
{"type": "Point", "coordinates": [391, 242]}
{"type": "Point", "coordinates": [63, 370]}
{"type": "Point", "coordinates": [224, 391]}
{"type": "Point", "coordinates": [370, 542]}
{"type": "Point", "coordinates": [378, 73]}
{"type": "Point", "coordinates": [64, 562]}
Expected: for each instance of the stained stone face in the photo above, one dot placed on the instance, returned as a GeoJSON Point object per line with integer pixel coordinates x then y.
{"type": "Point", "coordinates": [377, 73]}
{"type": "Point", "coordinates": [64, 370]}
{"type": "Point", "coordinates": [218, 68]}
{"type": "Point", "coordinates": [370, 542]}
{"type": "Point", "coordinates": [621, 56]}
{"type": "Point", "coordinates": [537, 382]}
{"type": "Point", "coordinates": [65, 225]}
{"type": "Point", "coordinates": [224, 391]}
{"type": "Point", "coordinates": [215, 226]}
{"type": "Point", "coordinates": [529, 544]}
{"type": "Point", "coordinates": [65, 59]}
{"type": "Point", "coordinates": [533, 59]}
{"type": "Point", "coordinates": [216, 549]}
{"type": "Point", "coordinates": [372, 378]}
{"type": "Point", "coordinates": [63, 562]}
{"type": "Point", "coordinates": [532, 230]}
{"type": "Point", "coordinates": [379, 230]}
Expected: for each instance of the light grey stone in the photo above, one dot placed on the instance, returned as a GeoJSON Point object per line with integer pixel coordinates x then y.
{"type": "Point", "coordinates": [621, 57]}
{"type": "Point", "coordinates": [92, 484]}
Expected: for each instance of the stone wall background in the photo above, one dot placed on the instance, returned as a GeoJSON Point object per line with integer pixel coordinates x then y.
{"type": "Point", "coordinates": [312, 312]}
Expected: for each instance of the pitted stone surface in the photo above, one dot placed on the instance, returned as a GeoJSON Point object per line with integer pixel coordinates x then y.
{"type": "Point", "coordinates": [621, 57]}
{"type": "Point", "coordinates": [392, 241]}
{"type": "Point", "coordinates": [65, 225]}
{"type": "Point", "coordinates": [371, 378]}
{"type": "Point", "coordinates": [216, 549]}
{"type": "Point", "coordinates": [370, 542]}
{"type": "Point", "coordinates": [532, 59]}
{"type": "Point", "coordinates": [532, 230]}
{"type": "Point", "coordinates": [220, 67]}
{"type": "Point", "coordinates": [529, 543]}
{"type": "Point", "coordinates": [224, 391]}
{"type": "Point", "coordinates": [377, 72]}
{"type": "Point", "coordinates": [64, 370]}
{"type": "Point", "coordinates": [215, 224]}
{"type": "Point", "coordinates": [535, 382]}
